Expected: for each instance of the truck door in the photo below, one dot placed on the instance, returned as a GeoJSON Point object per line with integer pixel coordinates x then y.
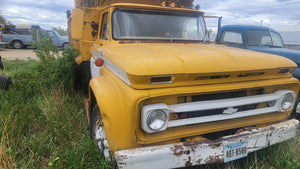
{"type": "Point", "coordinates": [54, 37]}
{"type": "Point", "coordinates": [103, 37]}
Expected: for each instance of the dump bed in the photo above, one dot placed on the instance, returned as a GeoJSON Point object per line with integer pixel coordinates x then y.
{"type": "Point", "coordinates": [102, 3]}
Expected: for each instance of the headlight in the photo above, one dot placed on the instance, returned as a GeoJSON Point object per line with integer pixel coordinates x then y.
{"type": "Point", "coordinates": [287, 101]}
{"type": "Point", "coordinates": [156, 119]}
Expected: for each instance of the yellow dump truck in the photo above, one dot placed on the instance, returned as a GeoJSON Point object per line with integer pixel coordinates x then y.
{"type": "Point", "coordinates": [160, 96]}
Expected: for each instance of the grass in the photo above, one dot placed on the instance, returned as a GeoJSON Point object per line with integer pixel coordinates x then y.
{"type": "Point", "coordinates": [44, 126]}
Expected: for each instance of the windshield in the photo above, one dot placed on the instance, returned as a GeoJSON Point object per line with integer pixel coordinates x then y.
{"type": "Point", "coordinates": [156, 25]}
{"type": "Point", "coordinates": [264, 38]}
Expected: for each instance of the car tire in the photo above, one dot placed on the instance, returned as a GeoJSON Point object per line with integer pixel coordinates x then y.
{"type": "Point", "coordinates": [97, 133]}
{"type": "Point", "coordinates": [95, 116]}
{"type": "Point", "coordinates": [65, 45]}
{"type": "Point", "coordinates": [5, 82]}
{"type": "Point", "coordinates": [17, 44]}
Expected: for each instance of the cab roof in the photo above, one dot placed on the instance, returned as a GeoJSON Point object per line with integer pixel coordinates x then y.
{"type": "Point", "coordinates": [246, 27]}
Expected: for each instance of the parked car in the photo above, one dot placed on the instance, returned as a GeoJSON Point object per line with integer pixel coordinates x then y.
{"type": "Point", "coordinates": [19, 38]}
{"type": "Point", "coordinates": [60, 41]}
{"type": "Point", "coordinates": [259, 38]}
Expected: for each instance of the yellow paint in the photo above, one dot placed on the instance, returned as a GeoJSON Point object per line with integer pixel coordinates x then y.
{"type": "Point", "coordinates": [120, 105]}
{"type": "Point", "coordinates": [191, 64]}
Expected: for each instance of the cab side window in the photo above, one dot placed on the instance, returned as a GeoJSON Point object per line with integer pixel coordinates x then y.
{"type": "Point", "coordinates": [231, 38]}
{"type": "Point", "coordinates": [104, 33]}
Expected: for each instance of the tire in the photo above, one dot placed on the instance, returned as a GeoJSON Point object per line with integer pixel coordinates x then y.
{"type": "Point", "coordinates": [94, 118]}
{"type": "Point", "coordinates": [5, 81]}
{"type": "Point", "coordinates": [17, 44]}
{"type": "Point", "coordinates": [65, 45]}
{"type": "Point", "coordinates": [97, 133]}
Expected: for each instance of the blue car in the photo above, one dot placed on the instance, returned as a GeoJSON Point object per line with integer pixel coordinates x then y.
{"type": "Point", "coordinates": [261, 39]}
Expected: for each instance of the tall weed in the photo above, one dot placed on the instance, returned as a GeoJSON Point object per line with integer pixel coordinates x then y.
{"type": "Point", "coordinates": [44, 120]}
{"type": "Point", "coordinates": [55, 66]}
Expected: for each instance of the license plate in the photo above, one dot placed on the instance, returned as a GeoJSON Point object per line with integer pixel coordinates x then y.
{"type": "Point", "coordinates": [235, 151]}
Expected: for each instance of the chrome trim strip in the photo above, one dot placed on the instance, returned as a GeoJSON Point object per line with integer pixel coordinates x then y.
{"type": "Point", "coordinates": [112, 67]}
{"type": "Point", "coordinates": [230, 113]}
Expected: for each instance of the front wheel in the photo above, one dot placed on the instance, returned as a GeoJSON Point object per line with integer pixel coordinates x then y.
{"type": "Point", "coordinates": [17, 44]}
{"type": "Point", "coordinates": [5, 82]}
{"type": "Point", "coordinates": [65, 46]}
{"type": "Point", "coordinates": [97, 132]}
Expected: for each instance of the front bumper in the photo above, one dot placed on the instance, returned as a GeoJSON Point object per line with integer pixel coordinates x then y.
{"type": "Point", "coordinates": [3, 43]}
{"type": "Point", "coordinates": [203, 152]}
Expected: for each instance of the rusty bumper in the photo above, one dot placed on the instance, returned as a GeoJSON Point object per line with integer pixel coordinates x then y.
{"type": "Point", "coordinates": [199, 152]}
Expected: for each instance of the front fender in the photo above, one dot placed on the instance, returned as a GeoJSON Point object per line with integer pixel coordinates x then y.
{"type": "Point", "coordinates": [118, 103]}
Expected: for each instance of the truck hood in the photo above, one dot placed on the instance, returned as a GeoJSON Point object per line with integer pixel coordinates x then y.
{"type": "Point", "coordinates": [164, 59]}
{"type": "Point", "coordinates": [292, 54]}
{"type": "Point", "coordinates": [191, 61]}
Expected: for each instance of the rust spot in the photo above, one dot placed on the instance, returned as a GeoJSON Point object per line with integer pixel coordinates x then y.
{"type": "Point", "coordinates": [215, 145]}
{"type": "Point", "coordinates": [178, 150]}
{"type": "Point", "coordinates": [215, 159]}
{"type": "Point", "coordinates": [198, 162]}
{"type": "Point", "coordinates": [196, 142]}
{"type": "Point", "coordinates": [87, 108]}
{"type": "Point", "coordinates": [188, 163]}
{"type": "Point", "coordinates": [235, 137]}
{"type": "Point", "coordinates": [124, 157]}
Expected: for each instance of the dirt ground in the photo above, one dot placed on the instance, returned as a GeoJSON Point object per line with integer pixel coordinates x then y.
{"type": "Point", "coordinates": [12, 54]}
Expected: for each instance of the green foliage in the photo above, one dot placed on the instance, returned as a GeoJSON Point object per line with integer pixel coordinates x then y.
{"type": "Point", "coordinates": [2, 20]}
{"type": "Point", "coordinates": [55, 67]}
{"type": "Point", "coordinates": [44, 123]}
{"type": "Point", "coordinates": [61, 31]}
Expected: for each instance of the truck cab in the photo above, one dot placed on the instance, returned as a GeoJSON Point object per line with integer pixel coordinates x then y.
{"type": "Point", "coordinates": [161, 97]}
{"type": "Point", "coordinates": [60, 41]}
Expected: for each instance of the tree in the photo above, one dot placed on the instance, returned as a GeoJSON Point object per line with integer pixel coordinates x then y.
{"type": "Point", "coordinates": [2, 20]}
{"type": "Point", "coordinates": [61, 31]}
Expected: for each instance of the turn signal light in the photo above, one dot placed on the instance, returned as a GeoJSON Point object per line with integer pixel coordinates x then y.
{"type": "Point", "coordinates": [172, 5]}
{"type": "Point", "coordinates": [163, 3]}
{"type": "Point", "coordinates": [99, 62]}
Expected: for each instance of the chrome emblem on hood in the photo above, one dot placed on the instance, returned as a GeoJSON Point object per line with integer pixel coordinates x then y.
{"type": "Point", "coordinates": [230, 110]}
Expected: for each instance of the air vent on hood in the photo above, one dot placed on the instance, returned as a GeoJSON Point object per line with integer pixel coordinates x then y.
{"type": "Point", "coordinates": [212, 77]}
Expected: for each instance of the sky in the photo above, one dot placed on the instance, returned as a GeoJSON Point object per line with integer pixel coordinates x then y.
{"type": "Point", "coordinates": [282, 15]}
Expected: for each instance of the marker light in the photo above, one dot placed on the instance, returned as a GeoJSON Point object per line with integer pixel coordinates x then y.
{"type": "Point", "coordinates": [172, 5]}
{"type": "Point", "coordinates": [99, 62]}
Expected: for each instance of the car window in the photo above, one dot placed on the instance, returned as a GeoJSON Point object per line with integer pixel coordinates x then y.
{"type": "Point", "coordinates": [277, 41]}
{"type": "Point", "coordinates": [259, 38]}
{"type": "Point", "coordinates": [51, 34]}
{"type": "Point", "coordinates": [104, 27]}
{"type": "Point", "coordinates": [231, 38]}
